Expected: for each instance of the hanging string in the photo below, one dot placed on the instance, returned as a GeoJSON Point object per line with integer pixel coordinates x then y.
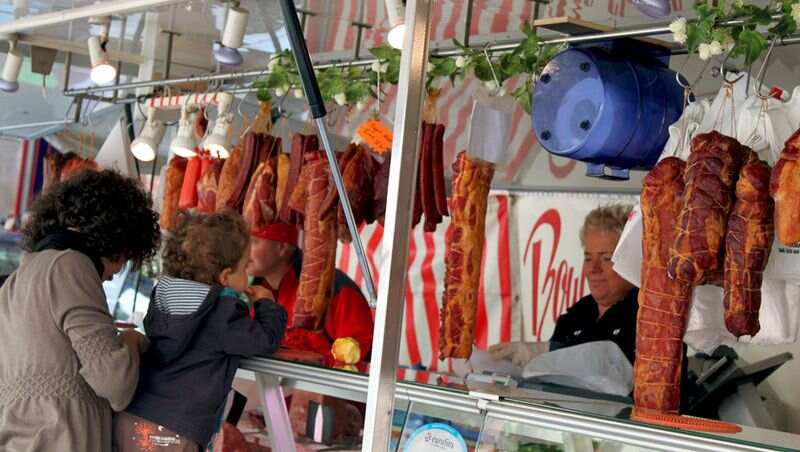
{"type": "Point", "coordinates": [684, 123]}
{"type": "Point", "coordinates": [718, 123]}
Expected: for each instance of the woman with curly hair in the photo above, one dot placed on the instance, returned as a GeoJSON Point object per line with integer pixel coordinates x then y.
{"type": "Point", "coordinates": [63, 366]}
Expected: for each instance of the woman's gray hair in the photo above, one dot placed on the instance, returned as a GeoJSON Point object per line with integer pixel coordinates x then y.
{"type": "Point", "coordinates": [610, 218]}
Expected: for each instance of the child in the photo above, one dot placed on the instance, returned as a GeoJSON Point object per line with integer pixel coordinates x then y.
{"type": "Point", "coordinates": [199, 329]}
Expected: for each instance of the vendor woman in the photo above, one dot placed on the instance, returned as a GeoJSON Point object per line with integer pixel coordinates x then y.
{"type": "Point", "coordinates": [608, 313]}
{"type": "Point", "coordinates": [275, 260]}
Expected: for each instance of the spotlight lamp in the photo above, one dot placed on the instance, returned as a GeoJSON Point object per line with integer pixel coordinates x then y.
{"type": "Point", "coordinates": [232, 36]}
{"type": "Point", "coordinates": [218, 143]}
{"type": "Point", "coordinates": [11, 67]}
{"type": "Point", "coordinates": [185, 142]}
{"type": "Point", "coordinates": [396, 10]}
{"type": "Point", "coordinates": [102, 72]}
{"type": "Point", "coordinates": [145, 146]}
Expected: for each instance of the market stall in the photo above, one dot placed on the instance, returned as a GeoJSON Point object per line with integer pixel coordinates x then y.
{"type": "Point", "coordinates": [466, 165]}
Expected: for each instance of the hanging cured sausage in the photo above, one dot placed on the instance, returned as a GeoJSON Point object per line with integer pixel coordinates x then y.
{"type": "Point", "coordinates": [319, 245]}
{"type": "Point", "coordinates": [464, 249]}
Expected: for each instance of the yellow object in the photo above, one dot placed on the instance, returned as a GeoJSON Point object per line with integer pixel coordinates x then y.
{"type": "Point", "coordinates": [347, 367]}
{"type": "Point", "coordinates": [346, 350]}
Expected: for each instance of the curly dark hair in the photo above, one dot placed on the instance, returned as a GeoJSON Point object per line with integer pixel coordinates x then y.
{"type": "Point", "coordinates": [111, 211]}
{"type": "Point", "coordinates": [203, 245]}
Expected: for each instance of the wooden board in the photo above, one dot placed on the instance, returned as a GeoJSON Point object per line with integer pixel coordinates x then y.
{"type": "Point", "coordinates": [576, 27]}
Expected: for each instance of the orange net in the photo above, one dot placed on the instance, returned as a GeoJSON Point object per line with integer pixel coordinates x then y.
{"type": "Point", "coordinates": [376, 135]}
{"type": "Point", "coordinates": [685, 422]}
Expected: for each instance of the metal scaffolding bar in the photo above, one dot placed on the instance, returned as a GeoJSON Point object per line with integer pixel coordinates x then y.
{"type": "Point", "coordinates": [397, 228]}
{"type": "Point", "coordinates": [495, 49]}
{"type": "Point", "coordinates": [107, 8]}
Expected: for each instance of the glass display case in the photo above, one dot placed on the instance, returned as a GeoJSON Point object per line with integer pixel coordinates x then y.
{"type": "Point", "coordinates": [494, 416]}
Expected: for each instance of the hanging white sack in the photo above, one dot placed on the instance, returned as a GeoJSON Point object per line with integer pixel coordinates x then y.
{"type": "Point", "coordinates": [489, 128]}
{"type": "Point", "coordinates": [115, 153]}
{"type": "Point", "coordinates": [722, 116]}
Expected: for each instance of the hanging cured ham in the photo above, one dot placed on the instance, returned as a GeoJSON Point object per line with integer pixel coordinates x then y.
{"type": "Point", "coordinates": [301, 144]}
{"type": "Point", "coordinates": [228, 176]}
{"type": "Point", "coordinates": [259, 204]}
{"type": "Point", "coordinates": [663, 302]}
{"type": "Point", "coordinates": [464, 249]}
{"type": "Point", "coordinates": [785, 190]}
{"type": "Point", "coordinates": [710, 178]}
{"type": "Point", "coordinates": [358, 170]}
{"type": "Point", "coordinates": [747, 247]}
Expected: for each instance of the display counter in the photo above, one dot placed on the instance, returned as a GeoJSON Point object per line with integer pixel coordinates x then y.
{"type": "Point", "coordinates": [492, 417]}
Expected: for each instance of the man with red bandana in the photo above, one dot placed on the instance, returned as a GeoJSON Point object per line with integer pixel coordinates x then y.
{"type": "Point", "coordinates": [275, 262]}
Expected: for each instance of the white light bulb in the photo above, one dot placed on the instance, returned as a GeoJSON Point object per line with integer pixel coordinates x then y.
{"type": "Point", "coordinates": [103, 74]}
{"type": "Point", "coordinates": [145, 146]}
{"type": "Point", "coordinates": [102, 71]}
{"type": "Point", "coordinates": [184, 142]}
{"type": "Point", "coordinates": [143, 150]}
{"type": "Point", "coordinates": [397, 36]}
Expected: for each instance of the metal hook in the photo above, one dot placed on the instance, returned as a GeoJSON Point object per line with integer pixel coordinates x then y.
{"type": "Point", "coordinates": [690, 87]}
{"type": "Point", "coordinates": [762, 72]}
{"type": "Point", "coordinates": [491, 66]}
{"type": "Point", "coordinates": [725, 71]}
{"type": "Point", "coordinates": [281, 111]}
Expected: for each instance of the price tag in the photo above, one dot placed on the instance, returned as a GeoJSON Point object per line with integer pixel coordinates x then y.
{"type": "Point", "coordinates": [436, 437]}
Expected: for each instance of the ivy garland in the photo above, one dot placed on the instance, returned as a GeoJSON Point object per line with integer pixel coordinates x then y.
{"type": "Point", "coordinates": [707, 36]}
{"type": "Point", "coordinates": [353, 86]}
{"type": "Point", "coordinates": [710, 36]}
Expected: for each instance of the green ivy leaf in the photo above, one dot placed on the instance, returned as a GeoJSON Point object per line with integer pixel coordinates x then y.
{"type": "Point", "coordinates": [750, 44]}
{"type": "Point", "coordinates": [444, 67]}
{"type": "Point", "coordinates": [384, 52]}
{"type": "Point", "coordinates": [528, 30]}
{"type": "Point", "coordinates": [759, 16]}
{"type": "Point", "coordinates": [523, 97]}
{"type": "Point", "coordinates": [483, 71]}
{"type": "Point", "coordinates": [278, 79]}
{"type": "Point", "coordinates": [785, 27]}
{"type": "Point", "coordinates": [695, 36]}
{"type": "Point", "coordinates": [356, 91]}
{"type": "Point", "coordinates": [263, 95]}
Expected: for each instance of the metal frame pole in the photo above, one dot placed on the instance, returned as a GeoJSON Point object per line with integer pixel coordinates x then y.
{"type": "Point", "coordinates": [397, 228]}
{"type": "Point", "coordinates": [468, 23]}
